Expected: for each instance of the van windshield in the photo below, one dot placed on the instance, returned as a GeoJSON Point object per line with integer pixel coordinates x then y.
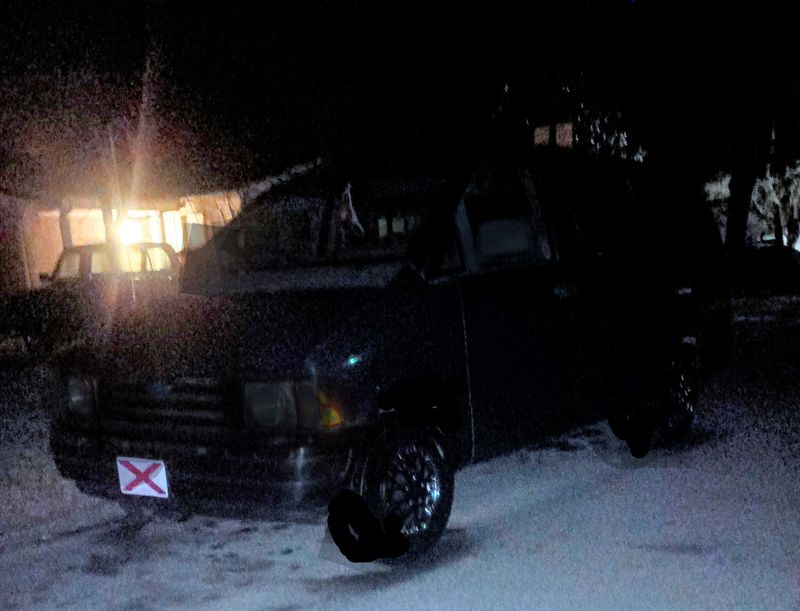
{"type": "Point", "coordinates": [357, 226]}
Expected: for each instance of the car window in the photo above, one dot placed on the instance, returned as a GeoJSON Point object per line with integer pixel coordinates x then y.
{"type": "Point", "coordinates": [500, 218]}
{"type": "Point", "coordinates": [157, 259]}
{"type": "Point", "coordinates": [101, 262]}
{"type": "Point", "coordinates": [130, 259]}
{"type": "Point", "coordinates": [69, 266]}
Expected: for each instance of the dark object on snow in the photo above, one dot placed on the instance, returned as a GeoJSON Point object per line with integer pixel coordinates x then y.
{"type": "Point", "coordinates": [371, 541]}
{"type": "Point", "coordinates": [633, 422]}
{"type": "Point", "coordinates": [637, 423]}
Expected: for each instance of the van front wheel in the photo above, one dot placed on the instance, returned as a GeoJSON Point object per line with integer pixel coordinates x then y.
{"type": "Point", "coordinates": [410, 477]}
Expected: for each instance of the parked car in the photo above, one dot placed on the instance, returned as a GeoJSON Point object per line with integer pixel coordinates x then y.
{"type": "Point", "coordinates": [469, 317]}
{"type": "Point", "coordinates": [766, 271]}
{"type": "Point", "coordinates": [88, 287]}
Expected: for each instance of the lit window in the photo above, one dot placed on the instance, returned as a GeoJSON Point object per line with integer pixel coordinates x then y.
{"type": "Point", "coordinates": [130, 231]}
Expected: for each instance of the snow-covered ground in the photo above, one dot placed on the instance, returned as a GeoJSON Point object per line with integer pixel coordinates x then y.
{"type": "Point", "coordinates": [714, 524]}
{"type": "Point", "coordinates": [35, 501]}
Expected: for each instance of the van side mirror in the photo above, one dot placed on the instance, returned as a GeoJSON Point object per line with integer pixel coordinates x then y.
{"type": "Point", "coordinates": [410, 276]}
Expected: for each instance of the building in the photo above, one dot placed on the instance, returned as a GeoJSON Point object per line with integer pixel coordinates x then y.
{"type": "Point", "coordinates": [33, 233]}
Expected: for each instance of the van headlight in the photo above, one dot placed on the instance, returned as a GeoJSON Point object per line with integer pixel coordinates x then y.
{"type": "Point", "coordinates": [82, 394]}
{"type": "Point", "coordinates": [271, 404]}
{"type": "Point", "coordinates": [290, 405]}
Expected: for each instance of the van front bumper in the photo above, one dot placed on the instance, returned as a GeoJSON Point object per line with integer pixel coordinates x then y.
{"type": "Point", "coordinates": [243, 477]}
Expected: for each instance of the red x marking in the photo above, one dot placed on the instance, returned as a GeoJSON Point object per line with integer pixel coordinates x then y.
{"type": "Point", "coordinates": [142, 477]}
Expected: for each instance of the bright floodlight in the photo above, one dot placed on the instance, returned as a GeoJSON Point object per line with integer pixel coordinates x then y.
{"type": "Point", "coordinates": [130, 232]}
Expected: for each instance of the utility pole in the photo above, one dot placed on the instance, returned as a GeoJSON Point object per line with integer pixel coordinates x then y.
{"type": "Point", "coordinates": [104, 203]}
{"type": "Point", "coordinates": [63, 223]}
{"type": "Point", "coordinates": [121, 211]}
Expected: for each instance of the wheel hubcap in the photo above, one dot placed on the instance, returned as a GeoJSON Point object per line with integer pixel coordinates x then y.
{"type": "Point", "coordinates": [411, 488]}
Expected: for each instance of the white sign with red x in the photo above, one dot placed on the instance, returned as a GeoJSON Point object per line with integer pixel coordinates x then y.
{"type": "Point", "coordinates": [142, 476]}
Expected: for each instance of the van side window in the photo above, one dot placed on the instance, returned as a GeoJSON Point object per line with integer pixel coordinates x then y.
{"type": "Point", "coordinates": [500, 214]}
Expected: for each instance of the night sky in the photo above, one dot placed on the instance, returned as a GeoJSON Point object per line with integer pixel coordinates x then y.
{"type": "Point", "coordinates": [273, 83]}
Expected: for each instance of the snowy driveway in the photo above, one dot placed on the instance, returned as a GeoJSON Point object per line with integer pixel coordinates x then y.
{"type": "Point", "coordinates": [580, 525]}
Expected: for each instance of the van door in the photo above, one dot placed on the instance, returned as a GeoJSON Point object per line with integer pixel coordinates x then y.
{"type": "Point", "coordinates": [511, 302]}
